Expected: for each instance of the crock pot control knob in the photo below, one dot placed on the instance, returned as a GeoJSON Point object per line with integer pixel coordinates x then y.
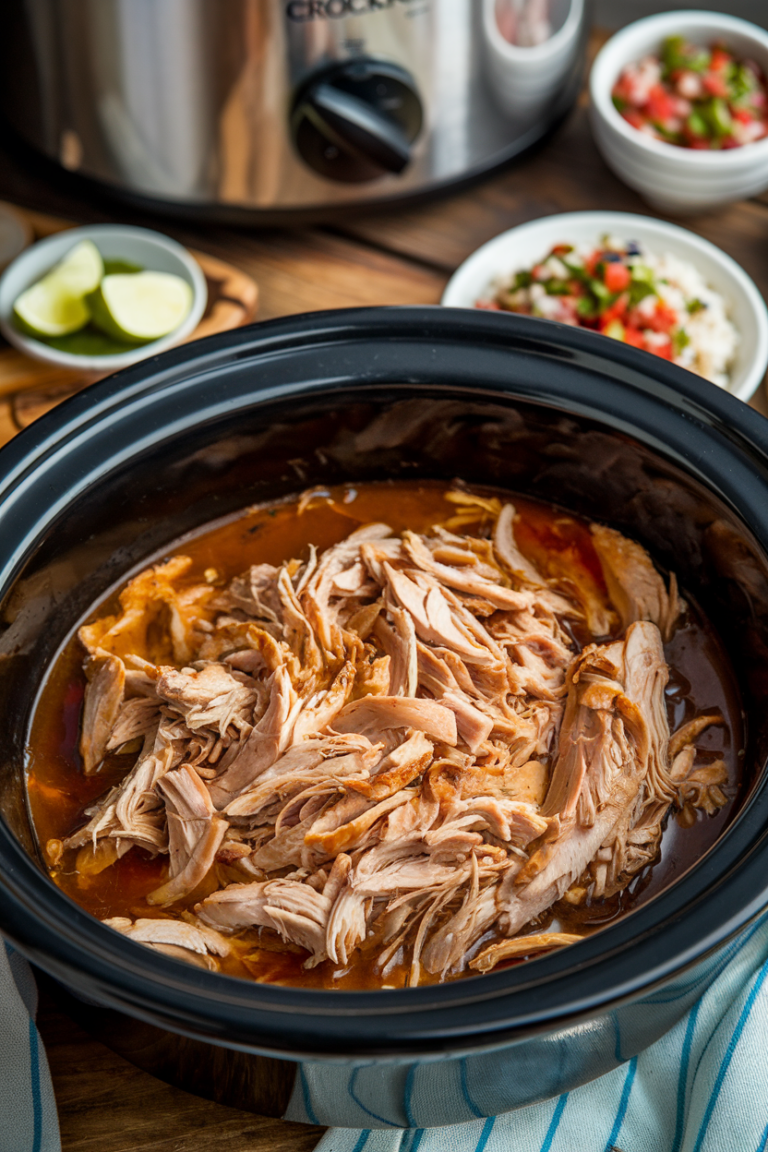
{"type": "Point", "coordinates": [357, 121]}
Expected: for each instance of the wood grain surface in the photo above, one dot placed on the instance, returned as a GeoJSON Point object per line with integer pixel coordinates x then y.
{"type": "Point", "coordinates": [107, 1105]}
{"type": "Point", "coordinates": [401, 256]}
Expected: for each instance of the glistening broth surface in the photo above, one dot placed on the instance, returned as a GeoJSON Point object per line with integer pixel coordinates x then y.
{"type": "Point", "coordinates": [560, 544]}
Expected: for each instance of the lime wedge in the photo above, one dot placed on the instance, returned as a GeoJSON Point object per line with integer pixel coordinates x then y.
{"type": "Point", "coordinates": [141, 306]}
{"type": "Point", "coordinates": [49, 309]}
{"type": "Point", "coordinates": [81, 269]}
{"type": "Point", "coordinates": [54, 306]}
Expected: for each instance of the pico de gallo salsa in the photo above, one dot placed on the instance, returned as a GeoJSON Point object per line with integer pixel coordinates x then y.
{"type": "Point", "coordinates": [610, 289]}
{"type": "Point", "coordinates": [694, 97]}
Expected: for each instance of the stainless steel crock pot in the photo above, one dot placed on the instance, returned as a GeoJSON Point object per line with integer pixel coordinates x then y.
{"type": "Point", "coordinates": [115, 474]}
{"type": "Point", "coordinates": [271, 107]}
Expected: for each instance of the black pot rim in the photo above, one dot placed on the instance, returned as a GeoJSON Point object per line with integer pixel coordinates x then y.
{"type": "Point", "coordinates": [715, 437]}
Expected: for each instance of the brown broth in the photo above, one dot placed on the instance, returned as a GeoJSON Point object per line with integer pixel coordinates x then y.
{"type": "Point", "coordinates": [700, 680]}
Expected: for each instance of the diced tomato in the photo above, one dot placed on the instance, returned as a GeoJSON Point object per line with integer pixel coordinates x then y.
{"type": "Point", "coordinates": [592, 262]}
{"type": "Point", "coordinates": [663, 350]}
{"type": "Point", "coordinates": [622, 89]}
{"type": "Point", "coordinates": [489, 305]}
{"type": "Point", "coordinates": [715, 85]}
{"type": "Point", "coordinates": [662, 319]}
{"type": "Point", "coordinates": [633, 117]}
{"type": "Point", "coordinates": [562, 249]}
{"type": "Point", "coordinates": [661, 104]}
{"type": "Point", "coordinates": [633, 336]}
{"type": "Point", "coordinates": [617, 277]}
{"type": "Point", "coordinates": [702, 93]}
{"type": "Point", "coordinates": [616, 311]}
{"type": "Point", "coordinates": [539, 272]}
{"type": "Point", "coordinates": [719, 60]}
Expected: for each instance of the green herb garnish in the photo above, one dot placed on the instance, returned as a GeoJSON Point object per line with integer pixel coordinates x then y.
{"type": "Point", "coordinates": [578, 271]}
{"type": "Point", "coordinates": [587, 307]}
{"type": "Point", "coordinates": [556, 287]}
{"type": "Point", "coordinates": [598, 289]}
{"type": "Point", "coordinates": [638, 290]}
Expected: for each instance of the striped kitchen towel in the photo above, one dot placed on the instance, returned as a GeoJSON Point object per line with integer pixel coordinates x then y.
{"type": "Point", "coordinates": [702, 1088]}
{"type": "Point", "coordinates": [28, 1121]}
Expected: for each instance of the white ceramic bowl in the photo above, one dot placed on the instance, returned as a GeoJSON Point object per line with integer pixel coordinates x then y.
{"type": "Point", "coordinates": [151, 250]}
{"type": "Point", "coordinates": [523, 246]}
{"type": "Point", "coordinates": [524, 80]}
{"type": "Point", "coordinates": [673, 179]}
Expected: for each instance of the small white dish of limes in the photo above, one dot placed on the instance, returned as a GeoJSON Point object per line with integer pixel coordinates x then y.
{"type": "Point", "coordinates": [101, 297]}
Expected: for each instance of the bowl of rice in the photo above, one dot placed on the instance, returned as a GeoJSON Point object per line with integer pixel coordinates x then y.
{"type": "Point", "coordinates": [647, 283]}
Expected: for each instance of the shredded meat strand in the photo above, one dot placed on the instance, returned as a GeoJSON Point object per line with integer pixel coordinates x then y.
{"type": "Point", "coordinates": [393, 747]}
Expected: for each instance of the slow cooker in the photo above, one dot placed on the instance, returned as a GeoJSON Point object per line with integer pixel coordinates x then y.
{"type": "Point", "coordinates": [119, 471]}
{"type": "Point", "coordinates": [263, 109]}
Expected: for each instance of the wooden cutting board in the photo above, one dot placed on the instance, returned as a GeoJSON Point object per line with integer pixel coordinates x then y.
{"type": "Point", "coordinates": [28, 387]}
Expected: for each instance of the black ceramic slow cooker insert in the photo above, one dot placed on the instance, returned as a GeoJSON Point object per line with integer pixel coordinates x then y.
{"type": "Point", "coordinates": [121, 470]}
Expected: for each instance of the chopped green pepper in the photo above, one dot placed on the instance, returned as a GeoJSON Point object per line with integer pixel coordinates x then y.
{"type": "Point", "coordinates": [578, 271]}
{"type": "Point", "coordinates": [698, 125]}
{"type": "Point", "coordinates": [680, 340]}
{"type": "Point", "coordinates": [718, 116]}
{"type": "Point", "coordinates": [642, 273]}
{"type": "Point", "coordinates": [666, 133]}
{"type": "Point", "coordinates": [598, 289]}
{"type": "Point", "coordinates": [588, 307]}
{"type": "Point", "coordinates": [676, 56]}
{"type": "Point", "coordinates": [638, 290]}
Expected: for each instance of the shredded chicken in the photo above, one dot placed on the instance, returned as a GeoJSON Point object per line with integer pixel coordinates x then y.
{"type": "Point", "coordinates": [395, 745]}
{"type": "Point", "coordinates": [521, 946]}
{"type": "Point", "coordinates": [193, 943]}
{"type": "Point", "coordinates": [101, 707]}
{"type": "Point", "coordinates": [635, 587]}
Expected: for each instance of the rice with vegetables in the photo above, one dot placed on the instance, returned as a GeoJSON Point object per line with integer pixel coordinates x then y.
{"type": "Point", "coordinates": [659, 303]}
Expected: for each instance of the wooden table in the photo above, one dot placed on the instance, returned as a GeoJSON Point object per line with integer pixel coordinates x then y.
{"type": "Point", "coordinates": [398, 257]}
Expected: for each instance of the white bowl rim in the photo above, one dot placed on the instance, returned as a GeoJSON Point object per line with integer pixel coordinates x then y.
{"type": "Point", "coordinates": [603, 222]}
{"type": "Point", "coordinates": [537, 53]}
{"type": "Point", "coordinates": [682, 20]}
{"type": "Point", "coordinates": [40, 351]}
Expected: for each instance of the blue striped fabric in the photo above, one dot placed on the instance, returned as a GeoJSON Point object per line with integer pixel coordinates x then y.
{"type": "Point", "coordinates": [28, 1121]}
{"type": "Point", "coordinates": [702, 1088]}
